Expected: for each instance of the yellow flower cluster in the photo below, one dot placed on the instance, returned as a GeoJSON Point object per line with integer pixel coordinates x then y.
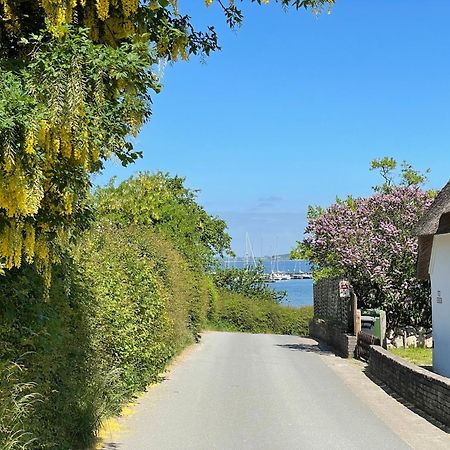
{"type": "Point", "coordinates": [11, 245]}
{"type": "Point", "coordinates": [114, 14]}
{"type": "Point", "coordinates": [18, 239]}
{"type": "Point", "coordinates": [19, 196]}
{"type": "Point", "coordinates": [102, 9]}
{"type": "Point", "coordinates": [129, 7]}
{"type": "Point", "coordinates": [179, 49]}
{"type": "Point", "coordinates": [59, 142]}
{"type": "Point", "coordinates": [9, 17]}
{"type": "Point", "coordinates": [22, 195]}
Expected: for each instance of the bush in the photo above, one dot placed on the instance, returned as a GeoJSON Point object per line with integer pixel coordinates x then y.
{"type": "Point", "coordinates": [48, 332]}
{"type": "Point", "coordinates": [148, 303]}
{"type": "Point", "coordinates": [249, 281]}
{"type": "Point", "coordinates": [240, 313]}
{"type": "Point", "coordinates": [371, 242]}
{"type": "Point", "coordinates": [116, 312]}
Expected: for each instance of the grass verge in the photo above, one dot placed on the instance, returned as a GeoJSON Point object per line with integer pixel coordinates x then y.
{"type": "Point", "coordinates": [419, 356]}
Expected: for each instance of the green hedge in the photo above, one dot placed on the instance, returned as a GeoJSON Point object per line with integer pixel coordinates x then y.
{"type": "Point", "coordinates": [240, 313]}
{"type": "Point", "coordinates": [49, 337]}
{"type": "Point", "coordinates": [118, 309]}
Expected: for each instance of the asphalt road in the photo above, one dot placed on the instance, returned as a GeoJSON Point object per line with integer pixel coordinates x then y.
{"type": "Point", "coordinates": [244, 391]}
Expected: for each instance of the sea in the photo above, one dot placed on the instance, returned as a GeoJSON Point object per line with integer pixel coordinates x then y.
{"type": "Point", "coordinates": [299, 292]}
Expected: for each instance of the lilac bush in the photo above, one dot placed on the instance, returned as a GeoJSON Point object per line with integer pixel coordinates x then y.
{"type": "Point", "coordinates": [371, 242]}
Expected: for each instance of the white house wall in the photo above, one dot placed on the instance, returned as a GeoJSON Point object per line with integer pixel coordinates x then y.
{"type": "Point", "coordinates": [440, 291]}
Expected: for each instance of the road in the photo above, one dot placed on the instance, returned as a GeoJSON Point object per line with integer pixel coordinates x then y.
{"type": "Point", "coordinates": [243, 391]}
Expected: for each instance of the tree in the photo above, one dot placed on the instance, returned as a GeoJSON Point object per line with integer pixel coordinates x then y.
{"type": "Point", "coordinates": [408, 176]}
{"type": "Point", "coordinates": [371, 242]}
{"type": "Point", "coordinates": [249, 282]}
{"type": "Point", "coordinates": [75, 83]}
{"type": "Point", "coordinates": [164, 204]}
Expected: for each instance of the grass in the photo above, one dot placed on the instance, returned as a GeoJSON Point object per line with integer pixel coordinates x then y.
{"type": "Point", "coordinates": [419, 356]}
{"type": "Point", "coordinates": [221, 326]}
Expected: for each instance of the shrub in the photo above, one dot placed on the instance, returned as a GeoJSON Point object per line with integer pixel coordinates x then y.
{"type": "Point", "coordinates": [371, 241]}
{"type": "Point", "coordinates": [49, 333]}
{"type": "Point", "coordinates": [148, 304]}
{"type": "Point", "coordinates": [116, 312]}
{"type": "Point", "coordinates": [261, 316]}
{"type": "Point", "coordinates": [249, 281]}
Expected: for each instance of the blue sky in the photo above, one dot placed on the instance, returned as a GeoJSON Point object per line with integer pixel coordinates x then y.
{"type": "Point", "coordinates": [294, 108]}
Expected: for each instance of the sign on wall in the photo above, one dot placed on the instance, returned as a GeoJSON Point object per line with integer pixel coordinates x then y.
{"type": "Point", "coordinates": [344, 289]}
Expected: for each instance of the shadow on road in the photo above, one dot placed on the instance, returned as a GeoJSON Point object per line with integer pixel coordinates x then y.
{"type": "Point", "coordinates": [406, 403]}
{"type": "Point", "coordinates": [321, 349]}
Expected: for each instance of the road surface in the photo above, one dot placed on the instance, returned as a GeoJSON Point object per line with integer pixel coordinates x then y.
{"type": "Point", "coordinates": [245, 391]}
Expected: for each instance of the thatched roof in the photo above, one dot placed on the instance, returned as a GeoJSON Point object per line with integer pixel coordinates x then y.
{"type": "Point", "coordinates": [435, 221]}
{"type": "Point", "coordinates": [429, 223]}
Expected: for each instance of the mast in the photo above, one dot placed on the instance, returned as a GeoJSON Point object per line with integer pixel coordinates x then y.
{"type": "Point", "coordinates": [249, 251]}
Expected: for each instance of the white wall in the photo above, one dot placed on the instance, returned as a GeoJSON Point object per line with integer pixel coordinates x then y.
{"type": "Point", "coordinates": [440, 290]}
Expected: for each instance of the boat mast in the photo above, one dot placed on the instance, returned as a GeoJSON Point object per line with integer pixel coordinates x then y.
{"type": "Point", "coordinates": [249, 251]}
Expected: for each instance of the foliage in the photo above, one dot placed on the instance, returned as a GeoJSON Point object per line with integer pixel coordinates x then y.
{"type": "Point", "coordinates": [50, 338]}
{"type": "Point", "coordinates": [249, 282]}
{"type": "Point", "coordinates": [73, 106]}
{"type": "Point", "coordinates": [407, 176]}
{"type": "Point", "coordinates": [129, 313]}
{"type": "Point", "coordinates": [17, 402]}
{"type": "Point", "coordinates": [371, 241]}
{"type": "Point", "coordinates": [237, 312]}
{"type": "Point", "coordinates": [116, 312]}
{"type": "Point", "coordinates": [75, 79]}
{"type": "Point", "coordinates": [165, 204]}
{"type": "Point", "coordinates": [148, 304]}
{"type": "Point", "coordinates": [111, 21]}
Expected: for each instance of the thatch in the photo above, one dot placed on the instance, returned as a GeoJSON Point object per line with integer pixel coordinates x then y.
{"type": "Point", "coordinates": [424, 257]}
{"type": "Point", "coordinates": [429, 223]}
{"type": "Point", "coordinates": [435, 221]}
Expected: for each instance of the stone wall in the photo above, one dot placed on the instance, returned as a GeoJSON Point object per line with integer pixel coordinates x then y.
{"type": "Point", "coordinates": [426, 390]}
{"type": "Point", "coordinates": [409, 337]}
{"type": "Point", "coordinates": [332, 334]}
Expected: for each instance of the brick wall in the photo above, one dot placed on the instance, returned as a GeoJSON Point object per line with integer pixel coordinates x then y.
{"type": "Point", "coordinates": [332, 334]}
{"type": "Point", "coordinates": [426, 390]}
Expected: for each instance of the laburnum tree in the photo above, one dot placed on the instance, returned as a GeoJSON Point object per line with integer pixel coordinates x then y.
{"type": "Point", "coordinates": [76, 78]}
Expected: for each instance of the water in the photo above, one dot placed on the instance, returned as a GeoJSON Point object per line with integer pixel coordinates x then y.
{"type": "Point", "coordinates": [299, 292]}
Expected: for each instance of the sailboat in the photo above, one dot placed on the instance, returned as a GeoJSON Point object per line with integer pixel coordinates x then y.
{"type": "Point", "coordinates": [249, 254]}
{"type": "Point", "coordinates": [276, 274]}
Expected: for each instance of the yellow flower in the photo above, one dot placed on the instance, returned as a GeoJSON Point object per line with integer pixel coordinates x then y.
{"type": "Point", "coordinates": [29, 142]}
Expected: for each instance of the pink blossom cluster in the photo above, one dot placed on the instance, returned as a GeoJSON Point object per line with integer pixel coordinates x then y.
{"type": "Point", "coordinates": [371, 241]}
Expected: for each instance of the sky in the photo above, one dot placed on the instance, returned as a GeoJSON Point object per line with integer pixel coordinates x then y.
{"type": "Point", "coordinates": [295, 106]}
